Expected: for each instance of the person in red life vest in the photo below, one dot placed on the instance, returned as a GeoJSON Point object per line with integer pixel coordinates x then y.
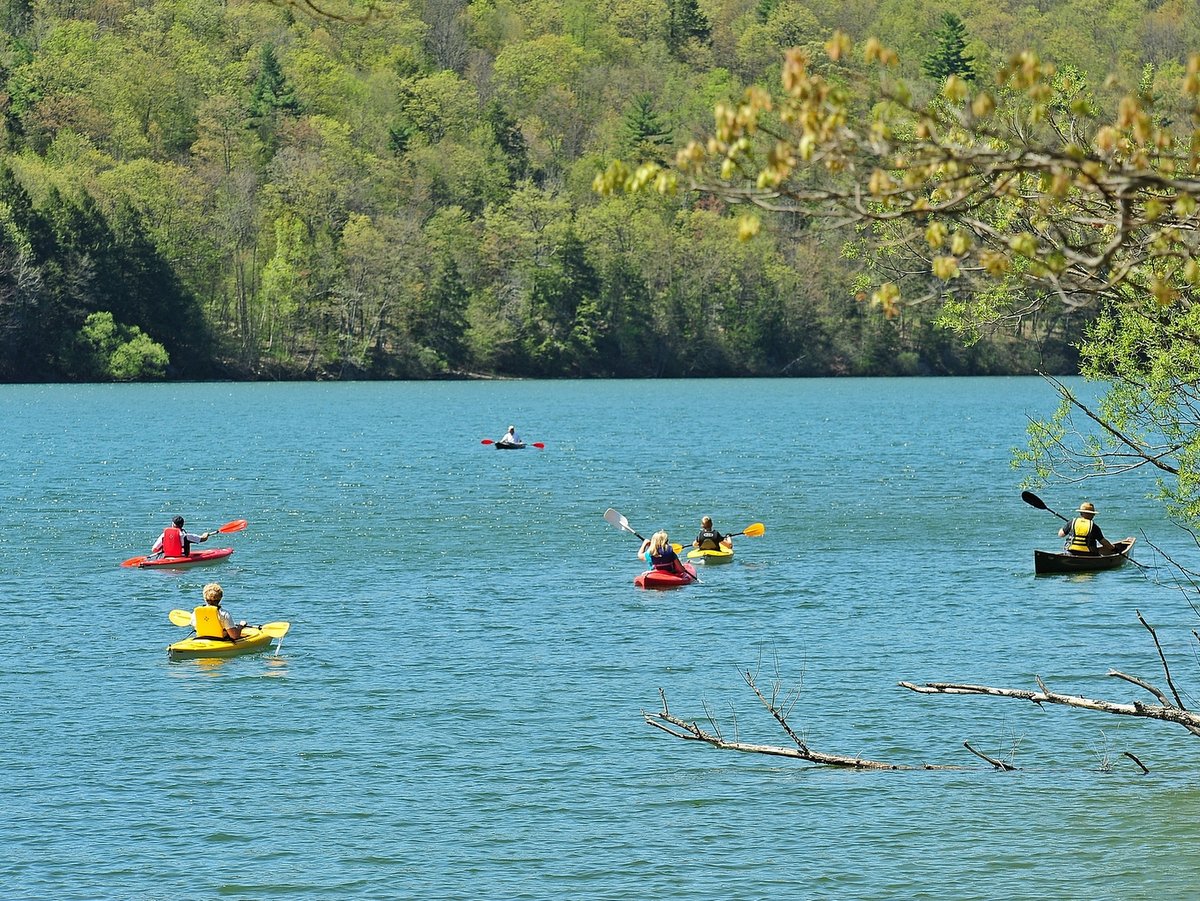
{"type": "Point", "coordinates": [710, 539]}
{"type": "Point", "coordinates": [1083, 535]}
{"type": "Point", "coordinates": [175, 541]}
{"type": "Point", "coordinates": [657, 551]}
{"type": "Point", "coordinates": [210, 621]}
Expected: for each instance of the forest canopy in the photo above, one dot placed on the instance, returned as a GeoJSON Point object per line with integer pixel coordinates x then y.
{"type": "Point", "coordinates": [404, 189]}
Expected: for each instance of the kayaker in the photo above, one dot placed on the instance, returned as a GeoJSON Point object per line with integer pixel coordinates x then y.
{"type": "Point", "coordinates": [510, 437]}
{"type": "Point", "coordinates": [175, 541]}
{"type": "Point", "coordinates": [210, 621]}
{"type": "Point", "coordinates": [657, 551]}
{"type": "Point", "coordinates": [1082, 533]}
{"type": "Point", "coordinates": [709, 538]}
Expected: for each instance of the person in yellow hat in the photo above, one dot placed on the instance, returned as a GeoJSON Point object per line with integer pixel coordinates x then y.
{"type": "Point", "coordinates": [1083, 535]}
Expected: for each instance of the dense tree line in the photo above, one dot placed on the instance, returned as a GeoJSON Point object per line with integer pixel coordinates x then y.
{"type": "Point", "coordinates": [190, 189]}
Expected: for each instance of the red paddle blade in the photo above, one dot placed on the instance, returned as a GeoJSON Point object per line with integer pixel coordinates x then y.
{"type": "Point", "coordinates": [236, 526]}
{"type": "Point", "coordinates": [487, 441]}
{"type": "Point", "coordinates": [133, 561]}
{"type": "Point", "coordinates": [539, 445]}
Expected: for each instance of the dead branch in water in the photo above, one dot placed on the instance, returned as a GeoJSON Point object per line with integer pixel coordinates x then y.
{"type": "Point", "coordinates": [690, 731]}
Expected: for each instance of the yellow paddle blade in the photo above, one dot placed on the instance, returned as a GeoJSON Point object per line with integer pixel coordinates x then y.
{"type": "Point", "coordinates": [754, 530]}
{"type": "Point", "coordinates": [677, 548]}
{"type": "Point", "coordinates": [180, 617]}
{"type": "Point", "coordinates": [275, 630]}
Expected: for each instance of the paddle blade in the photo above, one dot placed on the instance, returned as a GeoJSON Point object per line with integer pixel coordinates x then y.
{"type": "Point", "coordinates": [487, 441]}
{"type": "Point", "coordinates": [275, 630]}
{"type": "Point", "coordinates": [539, 445]}
{"type": "Point", "coordinates": [1033, 500]}
{"type": "Point", "coordinates": [236, 526]}
{"type": "Point", "coordinates": [133, 561]}
{"type": "Point", "coordinates": [613, 518]}
{"type": "Point", "coordinates": [754, 530]}
{"type": "Point", "coordinates": [180, 617]}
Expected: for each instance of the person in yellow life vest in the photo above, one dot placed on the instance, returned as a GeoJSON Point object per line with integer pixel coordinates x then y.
{"type": "Point", "coordinates": [1083, 535]}
{"type": "Point", "coordinates": [175, 541]}
{"type": "Point", "coordinates": [210, 621]}
{"type": "Point", "coordinates": [710, 539]}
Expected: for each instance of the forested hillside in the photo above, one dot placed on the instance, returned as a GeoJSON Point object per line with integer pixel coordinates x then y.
{"type": "Point", "coordinates": [194, 189]}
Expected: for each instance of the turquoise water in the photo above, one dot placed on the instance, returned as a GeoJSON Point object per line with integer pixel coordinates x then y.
{"type": "Point", "coordinates": [455, 712]}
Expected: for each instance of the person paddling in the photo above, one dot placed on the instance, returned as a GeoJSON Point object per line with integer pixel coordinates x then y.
{"type": "Point", "coordinates": [510, 437]}
{"type": "Point", "coordinates": [657, 551]}
{"type": "Point", "coordinates": [1083, 535]}
{"type": "Point", "coordinates": [175, 541]}
{"type": "Point", "coordinates": [710, 539]}
{"type": "Point", "coordinates": [210, 621]}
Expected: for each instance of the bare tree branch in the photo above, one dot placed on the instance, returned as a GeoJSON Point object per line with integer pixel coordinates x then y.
{"type": "Point", "coordinates": [1165, 712]}
{"type": "Point", "coordinates": [1161, 656]}
{"type": "Point", "coordinates": [998, 764]}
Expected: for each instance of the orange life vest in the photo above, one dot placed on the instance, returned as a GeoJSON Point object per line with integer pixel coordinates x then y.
{"type": "Point", "coordinates": [172, 542]}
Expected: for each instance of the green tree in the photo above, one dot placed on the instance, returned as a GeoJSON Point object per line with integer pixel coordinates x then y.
{"type": "Point", "coordinates": [273, 98]}
{"type": "Point", "coordinates": [645, 136]}
{"type": "Point", "coordinates": [113, 352]}
{"type": "Point", "coordinates": [685, 23]}
{"type": "Point", "coordinates": [949, 55]}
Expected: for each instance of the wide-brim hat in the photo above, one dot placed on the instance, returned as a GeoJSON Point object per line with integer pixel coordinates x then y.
{"type": "Point", "coordinates": [1086, 507]}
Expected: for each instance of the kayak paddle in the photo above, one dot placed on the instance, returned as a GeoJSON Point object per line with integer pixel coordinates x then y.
{"type": "Point", "coordinates": [538, 444]}
{"type": "Point", "coordinates": [613, 518]}
{"type": "Point", "coordinates": [1034, 501]}
{"type": "Point", "coordinates": [754, 530]}
{"type": "Point", "coordinates": [275, 630]}
{"type": "Point", "coordinates": [236, 526]}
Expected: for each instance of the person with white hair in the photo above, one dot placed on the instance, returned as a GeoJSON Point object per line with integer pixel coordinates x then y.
{"type": "Point", "coordinates": [210, 621]}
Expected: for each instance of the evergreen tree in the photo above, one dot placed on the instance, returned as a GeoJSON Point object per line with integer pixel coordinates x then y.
{"type": "Point", "coordinates": [949, 56]}
{"type": "Point", "coordinates": [272, 92]}
{"type": "Point", "coordinates": [646, 138]}
{"type": "Point", "coordinates": [685, 22]}
{"type": "Point", "coordinates": [764, 9]}
{"type": "Point", "coordinates": [509, 138]}
{"type": "Point", "coordinates": [273, 98]}
{"type": "Point", "coordinates": [442, 321]}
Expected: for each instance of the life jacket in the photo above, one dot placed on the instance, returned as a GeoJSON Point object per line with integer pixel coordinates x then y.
{"type": "Point", "coordinates": [172, 542]}
{"type": "Point", "coordinates": [667, 561]}
{"type": "Point", "coordinates": [710, 540]}
{"type": "Point", "coordinates": [1080, 531]}
{"type": "Point", "coordinates": [208, 622]}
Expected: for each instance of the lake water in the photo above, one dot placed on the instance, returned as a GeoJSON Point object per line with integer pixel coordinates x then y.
{"type": "Point", "coordinates": [456, 711]}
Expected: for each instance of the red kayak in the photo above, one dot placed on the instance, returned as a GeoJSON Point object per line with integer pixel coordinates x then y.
{"type": "Point", "coordinates": [192, 559]}
{"type": "Point", "coordinates": [658, 578]}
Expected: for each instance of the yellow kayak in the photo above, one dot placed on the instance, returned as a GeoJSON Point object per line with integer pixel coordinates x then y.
{"type": "Point", "coordinates": [252, 641]}
{"type": "Point", "coordinates": [721, 555]}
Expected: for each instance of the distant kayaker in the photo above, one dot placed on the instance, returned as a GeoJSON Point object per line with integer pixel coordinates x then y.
{"type": "Point", "coordinates": [210, 621]}
{"type": "Point", "coordinates": [657, 551]}
{"type": "Point", "coordinates": [709, 538]}
{"type": "Point", "coordinates": [1082, 533]}
{"type": "Point", "coordinates": [510, 437]}
{"type": "Point", "coordinates": [175, 541]}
